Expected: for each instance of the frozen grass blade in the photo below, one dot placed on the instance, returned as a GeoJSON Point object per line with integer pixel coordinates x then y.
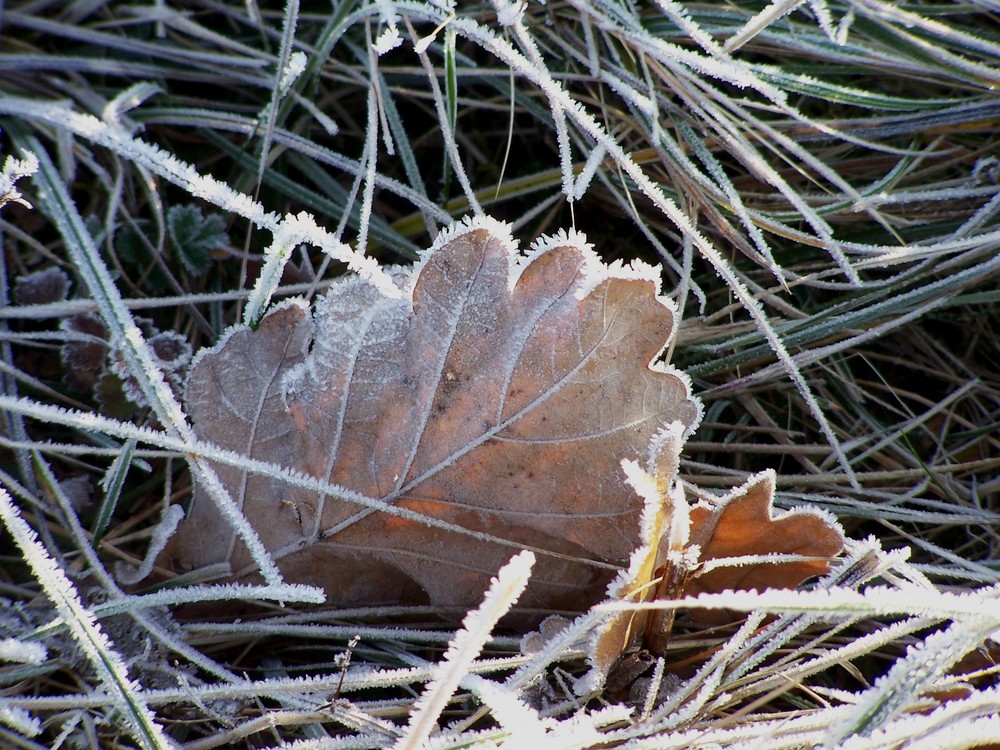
{"type": "Point", "coordinates": [833, 163]}
{"type": "Point", "coordinates": [440, 106]}
{"type": "Point", "coordinates": [909, 676]}
{"type": "Point", "coordinates": [508, 585]}
{"type": "Point", "coordinates": [284, 78]}
{"type": "Point", "coordinates": [122, 692]}
{"type": "Point", "coordinates": [112, 485]}
{"type": "Point", "coordinates": [142, 363]}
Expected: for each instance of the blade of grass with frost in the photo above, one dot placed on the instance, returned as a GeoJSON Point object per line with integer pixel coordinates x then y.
{"type": "Point", "coordinates": [370, 155]}
{"type": "Point", "coordinates": [307, 686]}
{"type": "Point", "coordinates": [851, 508]}
{"type": "Point", "coordinates": [877, 601]}
{"type": "Point", "coordinates": [907, 19]}
{"type": "Point", "coordinates": [187, 177]}
{"type": "Point", "coordinates": [19, 720]}
{"type": "Point", "coordinates": [287, 626]}
{"type": "Point", "coordinates": [447, 133]}
{"type": "Point", "coordinates": [506, 588]}
{"type": "Point", "coordinates": [909, 676]}
{"type": "Point", "coordinates": [759, 22]}
{"type": "Point", "coordinates": [112, 483]}
{"type": "Point", "coordinates": [450, 78]}
{"type": "Point", "coordinates": [22, 652]}
{"type": "Point", "coordinates": [120, 691]}
{"type": "Point", "coordinates": [821, 90]}
{"type": "Point", "coordinates": [170, 519]}
{"type": "Point", "coordinates": [978, 220]}
{"type": "Point", "coordinates": [114, 112]}
{"type": "Point", "coordinates": [86, 65]}
{"type": "Point", "coordinates": [530, 51]}
{"type": "Point", "coordinates": [282, 80]}
{"type": "Point", "coordinates": [142, 363]}
{"type": "Point", "coordinates": [586, 175]}
{"type": "Point", "coordinates": [225, 592]}
{"type": "Point", "coordinates": [292, 231]}
{"type": "Point", "coordinates": [586, 122]}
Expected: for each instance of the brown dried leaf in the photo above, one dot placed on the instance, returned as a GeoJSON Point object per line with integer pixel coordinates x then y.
{"type": "Point", "coordinates": [498, 395]}
{"type": "Point", "coordinates": [743, 523]}
{"type": "Point", "coordinates": [664, 528]}
{"type": "Point", "coordinates": [678, 540]}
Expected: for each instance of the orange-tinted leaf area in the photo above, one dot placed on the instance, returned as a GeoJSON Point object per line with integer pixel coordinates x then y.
{"type": "Point", "coordinates": [743, 523]}
{"type": "Point", "coordinates": [496, 397]}
{"type": "Point", "coordinates": [679, 539]}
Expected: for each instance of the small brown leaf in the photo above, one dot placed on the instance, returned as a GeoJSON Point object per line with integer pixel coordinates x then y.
{"type": "Point", "coordinates": [677, 540]}
{"type": "Point", "coordinates": [664, 531]}
{"type": "Point", "coordinates": [742, 523]}
{"type": "Point", "coordinates": [498, 395]}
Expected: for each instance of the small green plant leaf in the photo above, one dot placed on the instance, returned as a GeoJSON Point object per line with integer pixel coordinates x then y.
{"type": "Point", "coordinates": [193, 235]}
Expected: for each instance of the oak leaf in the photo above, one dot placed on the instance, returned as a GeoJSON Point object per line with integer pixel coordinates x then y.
{"type": "Point", "coordinates": [495, 398]}
{"type": "Point", "coordinates": [692, 549]}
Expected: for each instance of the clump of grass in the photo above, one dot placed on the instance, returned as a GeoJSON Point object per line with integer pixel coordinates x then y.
{"type": "Point", "coordinates": [820, 186]}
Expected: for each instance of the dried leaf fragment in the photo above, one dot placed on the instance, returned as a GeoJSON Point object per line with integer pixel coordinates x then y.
{"type": "Point", "coordinates": [679, 540]}
{"type": "Point", "coordinates": [497, 396]}
{"type": "Point", "coordinates": [743, 523]}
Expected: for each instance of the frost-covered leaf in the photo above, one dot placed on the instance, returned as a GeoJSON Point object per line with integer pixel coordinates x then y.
{"type": "Point", "coordinates": [42, 287]}
{"type": "Point", "coordinates": [497, 396]}
{"type": "Point", "coordinates": [680, 543]}
{"type": "Point", "coordinates": [85, 351]}
{"type": "Point", "coordinates": [193, 235]}
{"type": "Point", "coordinates": [743, 523]}
{"type": "Point", "coordinates": [12, 171]}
